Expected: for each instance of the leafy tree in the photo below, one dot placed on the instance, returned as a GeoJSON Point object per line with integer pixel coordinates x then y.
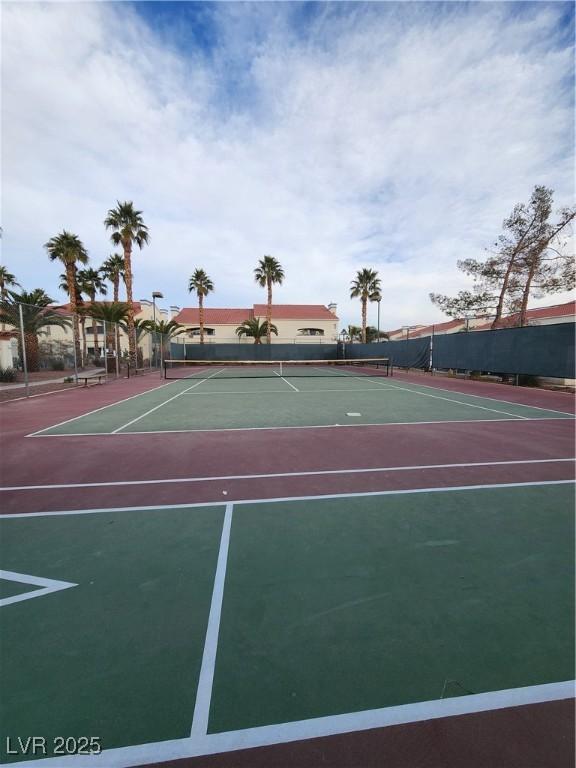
{"type": "Point", "coordinates": [128, 227]}
{"type": "Point", "coordinates": [7, 279]}
{"type": "Point", "coordinates": [366, 287]}
{"type": "Point", "coordinates": [519, 262]}
{"type": "Point", "coordinates": [201, 285]}
{"type": "Point", "coordinates": [90, 282]}
{"type": "Point", "coordinates": [68, 249]}
{"type": "Point", "coordinates": [269, 272]}
{"type": "Point", "coordinates": [113, 270]}
{"type": "Point", "coordinates": [36, 316]}
{"type": "Point", "coordinates": [256, 330]}
{"type": "Point", "coordinates": [114, 314]}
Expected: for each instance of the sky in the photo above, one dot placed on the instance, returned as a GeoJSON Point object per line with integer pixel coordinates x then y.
{"type": "Point", "coordinates": [332, 136]}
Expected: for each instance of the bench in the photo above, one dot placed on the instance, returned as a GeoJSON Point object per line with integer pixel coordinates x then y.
{"type": "Point", "coordinates": [87, 376]}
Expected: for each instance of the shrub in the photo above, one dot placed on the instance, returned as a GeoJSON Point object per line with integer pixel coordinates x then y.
{"type": "Point", "coordinates": [8, 375]}
{"type": "Point", "coordinates": [57, 365]}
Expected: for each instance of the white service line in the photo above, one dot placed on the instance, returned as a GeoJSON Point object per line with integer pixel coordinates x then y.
{"type": "Point", "coordinates": [452, 400]}
{"type": "Point", "coordinates": [46, 586]}
{"type": "Point", "coordinates": [161, 405]}
{"type": "Point", "coordinates": [298, 730]}
{"type": "Point", "coordinates": [286, 382]}
{"type": "Point", "coordinates": [273, 475]}
{"type": "Point", "coordinates": [274, 500]}
{"type": "Point", "coordinates": [206, 678]}
{"type": "Point", "coordinates": [103, 408]}
{"type": "Point", "coordinates": [496, 399]}
{"type": "Point", "coordinates": [357, 425]}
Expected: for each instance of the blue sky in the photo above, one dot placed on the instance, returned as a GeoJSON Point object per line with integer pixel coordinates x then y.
{"type": "Point", "coordinates": [333, 136]}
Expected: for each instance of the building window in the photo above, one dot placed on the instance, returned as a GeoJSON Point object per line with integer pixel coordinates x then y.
{"type": "Point", "coordinates": [99, 329]}
{"type": "Point", "coordinates": [196, 331]}
{"type": "Point", "coordinates": [310, 332]}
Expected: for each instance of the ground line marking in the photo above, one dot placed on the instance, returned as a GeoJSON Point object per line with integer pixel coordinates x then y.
{"type": "Point", "coordinates": [46, 586]}
{"type": "Point", "coordinates": [206, 677]}
{"type": "Point", "coordinates": [161, 405]}
{"type": "Point", "coordinates": [331, 725]}
{"type": "Point", "coordinates": [286, 382]}
{"type": "Point", "coordinates": [515, 420]}
{"type": "Point", "coordinates": [269, 475]}
{"type": "Point", "coordinates": [97, 410]}
{"type": "Point", "coordinates": [452, 400]}
{"type": "Point", "coordinates": [496, 399]}
{"type": "Point", "coordinates": [278, 499]}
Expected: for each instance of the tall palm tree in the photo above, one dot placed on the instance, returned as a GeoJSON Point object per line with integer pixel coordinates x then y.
{"type": "Point", "coordinates": [36, 315]}
{"type": "Point", "coordinates": [7, 279]}
{"type": "Point", "coordinates": [67, 248]}
{"type": "Point", "coordinates": [256, 330]}
{"type": "Point", "coordinates": [91, 282]}
{"type": "Point", "coordinates": [128, 227]}
{"type": "Point", "coordinates": [201, 285]}
{"type": "Point", "coordinates": [113, 270]}
{"type": "Point", "coordinates": [366, 287]}
{"type": "Point", "coordinates": [269, 272]}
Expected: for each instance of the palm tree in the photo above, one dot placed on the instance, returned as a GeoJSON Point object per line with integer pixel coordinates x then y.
{"type": "Point", "coordinates": [36, 315]}
{"type": "Point", "coordinates": [69, 249]}
{"type": "Point", "coordinates": [91, 283]}
{"type": "Point", "coordinates": [128, 228]}
{"type": "Point", "coordinates": [140, 329]}
{"type": "Point", "coordinates": [113, 270]}
{"type": "Point", "coordinates": [6, 279]}
{"type": "Point", "coordinates": [112, 314]}
{"type": "Point", "coordinates": [200, 284]}
{"type": "Point", "coordinates": [166, 330]}
{"type": "Point", "coordinates": [366, 287]}
{"type": "Point", "coordinates": [256, 330]}
{"type": "Point", "coordinates": [268, 272]}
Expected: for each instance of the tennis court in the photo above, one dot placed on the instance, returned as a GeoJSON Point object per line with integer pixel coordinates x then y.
{"type": "Point", "coordinates": [340, 567]}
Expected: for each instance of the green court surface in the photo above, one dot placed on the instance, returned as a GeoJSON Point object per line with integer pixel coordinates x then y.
{"type": "Point", "coordinates": [226, 617]}
{"type": "Point", "coordinates": [207, 404]}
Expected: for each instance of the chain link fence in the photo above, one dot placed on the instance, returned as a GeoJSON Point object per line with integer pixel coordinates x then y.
{"type": "Point", "coordinates": [44, 348]}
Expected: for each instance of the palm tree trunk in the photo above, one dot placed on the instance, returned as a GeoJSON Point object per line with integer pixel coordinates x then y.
{"type": "Point", "coordinates": [130, 318]}
{"type": "Point", "coordinates": [32, 351]}
{"type": "Point", "coordinates": [71, 282]}
{"type": "Point", "coordinates": [364, 307]}
{"type": "Point", "coordinates": [269, 313]}
{"type": "Point", "coordinates": [201, 314]}
{"type": "Point", "coordinates": [84, 351]}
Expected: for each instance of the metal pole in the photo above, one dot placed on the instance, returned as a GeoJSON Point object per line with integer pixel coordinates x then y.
{"type": "Point", "coordinates": [75, 357]}
{"type": "Point", "coordinates": [379, 300]}
{"type": "Point", "coordinates": [116, 350]}
{"type": "Point", "coordinates": [154, 321]}
{"type": "Point", "coordinates": [24, 363]}
{"type": "Point", "coordinates": [105, 348]}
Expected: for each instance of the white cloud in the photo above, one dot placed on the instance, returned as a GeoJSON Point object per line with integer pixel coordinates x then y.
{"type": "Point", "coordinates": [380, 136]}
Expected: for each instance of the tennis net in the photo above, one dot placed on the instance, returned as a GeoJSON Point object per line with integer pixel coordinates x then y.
{"type": "Point", "coordinates": [257, 369]}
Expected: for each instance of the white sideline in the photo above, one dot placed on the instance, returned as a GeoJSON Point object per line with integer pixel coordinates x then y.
{"type": "Point", "coordinates": [515, 420]}
{"type": "Point", "coordinates": [283, 733]}
{"type": "Point", "coordinates": [274, 500]}
{"type": "Point", "coordinates": [206, 678]}
{"type": "Point", "coordinates": [272, 475]}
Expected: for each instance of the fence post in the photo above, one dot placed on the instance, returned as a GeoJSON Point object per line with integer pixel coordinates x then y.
{"type": "Point", "coordinates": [24, 363]}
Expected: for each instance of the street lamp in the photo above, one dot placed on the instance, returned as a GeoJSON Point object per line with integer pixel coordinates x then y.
{"type": "Point", "coordinates": [155, 295]}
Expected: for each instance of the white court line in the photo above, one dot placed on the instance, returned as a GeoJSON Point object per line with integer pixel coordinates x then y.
{"type": "Point", "coordinates": [357, 425]}
{"type": "Point", "coordinates": [281, 391]}
{"type": "Point", "coordinates": [206, 678]}
{"type": "Point", "coordinates": [273, 475]}
{"type": "Point", "coordinates": [495, 399]}
{"type": "Point", "coordinates": [452, 400]}
{"type": "Point", "coordinates": [331, 725]}
{"type": "Point", "coordinates": [287, 382]}
{"type": "Point", "coordinates": [97, 410]}
{"type": "Point", "coordinates": [161, 405]}
{"type": "Point", "coordinates": [278, 499]}
{"type": "Point", "coordinates": [47, 586]}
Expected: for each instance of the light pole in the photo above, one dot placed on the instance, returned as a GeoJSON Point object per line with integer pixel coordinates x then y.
{"type": "Point", "coordinates": [155, 295]}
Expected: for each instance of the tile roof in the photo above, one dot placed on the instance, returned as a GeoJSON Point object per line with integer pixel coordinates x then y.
{"type": "Point", "coordinates": [295, 312]}
{"type": "Point", "coordinates": [213, 316]}
{"type": "Point", "coordinates": [539, 313]}
{"type": "Point", "coordinates": [227, 316]}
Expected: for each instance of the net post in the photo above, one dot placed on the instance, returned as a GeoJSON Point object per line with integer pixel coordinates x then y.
{"type": "Point", "coordinates": [281, 371]}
